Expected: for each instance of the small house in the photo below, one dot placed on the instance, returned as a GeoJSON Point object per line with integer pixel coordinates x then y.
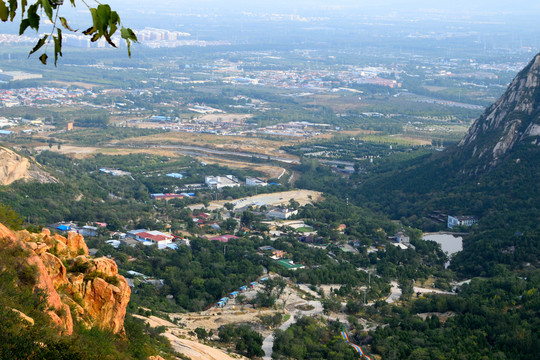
{"type": "Point", "coordinates": [461, 221]}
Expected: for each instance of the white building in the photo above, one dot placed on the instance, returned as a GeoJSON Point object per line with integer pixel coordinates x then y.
{"type": "Point", "coordinates": [253, 181]}
{"type": "Point", "coordinates": [401, 238]}
{"type": "Point", "coordinates": [282, 214]}
{"type": "Point", "coordinates": [461, 220]}
{"type": "Point", "coordinates": [219, 182]}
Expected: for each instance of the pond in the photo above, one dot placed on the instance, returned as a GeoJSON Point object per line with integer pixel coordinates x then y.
{"type": "Point", "coordinates": [450, 244]}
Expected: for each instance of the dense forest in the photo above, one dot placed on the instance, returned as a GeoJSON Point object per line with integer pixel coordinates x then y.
{"type": "Point", "coordinates": [496, 318]}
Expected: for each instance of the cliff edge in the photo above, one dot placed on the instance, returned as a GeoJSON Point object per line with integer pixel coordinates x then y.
{"type": "Point", "coordinates": [512, 120]}
{"type": "Point", "coordinates": [15, 167]}
{"type": "Point", "coordinates": [76, 285]}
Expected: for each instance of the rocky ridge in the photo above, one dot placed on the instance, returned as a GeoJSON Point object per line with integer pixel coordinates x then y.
{"type": "Point", "coordinates": [511, 120]}
{"type": "Point", "coordinates": [76, 285]}
{"type": "Point", "coordinates": [15, 167]}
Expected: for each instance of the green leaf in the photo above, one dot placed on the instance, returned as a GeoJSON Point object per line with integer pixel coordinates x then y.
{"type": "Point", "coordinates": [104, 13]}
{"type": "Point", "coordinates": [33, 17]}
{"type": "Point", "coordinates": [114, 21]}
{"type": "Point", "coordinates": [12, 8]}
{"type": "Point", "coordinates": [47, 8]}
{"type": "Point", "coordinates": [65, 24]}
{"type": "Point", "coordinates": [57, 45]}
{"type": "Point", "coordinates": [89, 31]}
{"type": "Point", "coordinates": [4, 12]}
{"type": "Point", "coordinates": [95, 18]}
{"type": "Point", "coordinates": [23, 7]}
{"type": "Point", "coordinates": [43, 59]}
{"type": "Point", "coordinates": [39, 44]}
{"type": "Point", "coordinates": [25, 23]}
{"type": "Point", "coordinates": [128, 34]}
{"type": "Point", "coordinates": [109, 40]}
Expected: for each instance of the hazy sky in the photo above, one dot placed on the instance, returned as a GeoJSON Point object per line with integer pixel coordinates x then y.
{"type": "Point", "coordinates": [500, 6]}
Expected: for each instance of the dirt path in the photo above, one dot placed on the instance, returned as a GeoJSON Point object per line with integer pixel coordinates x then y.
{"type": "Point", "coordinates": [395, 293]}
{"type": "Point", "coordinates": [192, 349]}
{"type": "Point", "coordinates": [197, 351]}
{"type": "Point", "coordinates": [292, 308]}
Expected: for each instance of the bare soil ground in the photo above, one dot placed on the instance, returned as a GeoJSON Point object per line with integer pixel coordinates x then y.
{"type": "Point", "coordinates": [238, 143]}
{"type": "Point", "coordinates": [234, 118]}
{"type": "Point", "coordinates": [83, 85]}
{"type": "Point", "coordinates": [179, 339]}
{"type": "Point", "coordinates": [80, 152]}
{"type": "Point", "coordinates": [303, 197]}
{"type": "Point", "coordinates": [271, 172]}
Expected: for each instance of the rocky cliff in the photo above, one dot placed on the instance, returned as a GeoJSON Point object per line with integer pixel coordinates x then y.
{"type": "Point", "coordinates": [15, 167]}
{"type": "Point", "coordinates": [511, 120]}
{"type": "Point", "coordinates": [76, 285]}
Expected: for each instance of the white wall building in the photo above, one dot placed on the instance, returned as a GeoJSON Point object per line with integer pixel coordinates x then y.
{"type": "Point", "coordinates": [219, 182]}
{"type": "Point", "coordinates": [461, 220]}
{"type": "Point", "coordinates": [282, 214]}
{"type": "Point", "coordinates": [253, 181]}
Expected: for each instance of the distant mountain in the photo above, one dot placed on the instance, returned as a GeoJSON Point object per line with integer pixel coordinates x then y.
{"type": "Point", "coordinates": [493, 173]}
{"type": "Point", "coordinates": [510, 121]}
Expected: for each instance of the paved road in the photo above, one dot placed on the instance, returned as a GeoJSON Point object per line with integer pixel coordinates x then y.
{"type": "Point", "coordinates": [199, 150]}
{"type": "Point", "coordinates": [268, 343]}
{"type": "Point", "coordinates": [395, 293]}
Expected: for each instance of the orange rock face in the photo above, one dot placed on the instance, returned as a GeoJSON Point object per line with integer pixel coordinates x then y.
{"type": "Point", "coordinates": [5, 233]}
{"type": "Point", "coordinates": [55, 268]}
{"type": "Point", "coordinates": [76, 245]}
{"type": "Point", "coordinates": [93, 287]}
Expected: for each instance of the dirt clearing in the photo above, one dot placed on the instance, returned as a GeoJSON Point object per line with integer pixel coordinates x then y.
{"type": "Point", "coordinates": [303, 197]}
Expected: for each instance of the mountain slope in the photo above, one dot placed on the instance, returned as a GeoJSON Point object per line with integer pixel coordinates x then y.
{"type": "Point", "coordinates": [15, 167]}
{"type": "Point", "coordinates": [510, 121]}
{"type": "Point", "coordinates": [492, 173]}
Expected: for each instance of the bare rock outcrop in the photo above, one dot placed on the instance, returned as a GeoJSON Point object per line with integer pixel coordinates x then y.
{"type": "Point", "coordinates": [512, 119]}
{"type": "Point", "coordinates": [75, 284]}
{"type": "Point", "coordinates": [15, 167]}
{"type": "Point", "coordinates": [76, 245]}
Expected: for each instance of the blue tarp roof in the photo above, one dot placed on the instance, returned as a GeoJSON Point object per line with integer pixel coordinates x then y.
{"type": "Point", "coordinates": [63, 228]}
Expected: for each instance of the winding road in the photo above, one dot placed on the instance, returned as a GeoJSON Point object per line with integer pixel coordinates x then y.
{"type": "Point", "coordinates": [268, 343]}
